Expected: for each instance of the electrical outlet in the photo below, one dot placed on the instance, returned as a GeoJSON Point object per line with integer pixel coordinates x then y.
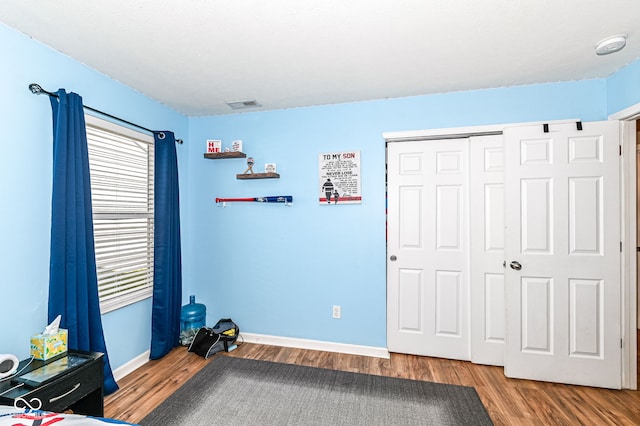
{"type": "Point", "coordinates": [337, 312]}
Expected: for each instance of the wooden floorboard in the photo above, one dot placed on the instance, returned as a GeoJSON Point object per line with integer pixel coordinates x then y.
{"type": "Point", "coordinates": [508, 401]}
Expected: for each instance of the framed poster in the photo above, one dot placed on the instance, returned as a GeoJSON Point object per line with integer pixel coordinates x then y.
{"type": "Point", "coordinates": [340, 178]}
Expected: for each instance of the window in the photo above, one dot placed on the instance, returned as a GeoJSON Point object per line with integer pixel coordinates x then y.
{"type": "Point", "coordinates": [121, 168]}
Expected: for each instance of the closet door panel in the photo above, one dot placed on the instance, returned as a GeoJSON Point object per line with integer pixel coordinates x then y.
{"type": "Point", "coordinates": [428, 248]}
{"type": "Point", "coordinates": [486, 156]}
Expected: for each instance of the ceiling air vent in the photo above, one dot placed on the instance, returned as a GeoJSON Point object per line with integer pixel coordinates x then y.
{"type": "Point", "coordinates": [244, 104]}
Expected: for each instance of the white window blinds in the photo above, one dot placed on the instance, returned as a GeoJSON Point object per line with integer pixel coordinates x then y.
{"type": "Point", "coordinates": [121, 168]}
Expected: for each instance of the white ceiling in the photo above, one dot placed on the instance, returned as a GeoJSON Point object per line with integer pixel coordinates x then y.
{"type": "Point", "coordinates": [195, 55]}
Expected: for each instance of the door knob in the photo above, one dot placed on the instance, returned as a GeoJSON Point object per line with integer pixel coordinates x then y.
{"type": "Point", "coordinates": [393, 258]}
{"type": "Point", "coordinates": [515, 265]}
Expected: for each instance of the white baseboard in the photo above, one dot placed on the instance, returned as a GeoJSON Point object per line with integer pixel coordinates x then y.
{"type": "Point", "coordinates": [263, 339]}
{"type": "Point", "coordinates": [132, 365]}
{"type": "Point", "coordinates": [316, 345]}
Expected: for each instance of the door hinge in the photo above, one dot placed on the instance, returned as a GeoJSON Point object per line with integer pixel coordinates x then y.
{"type": "Point", "coordinates": [620, 246]}
{"type": "Point", "coordinates": [621, 347]}
{"type": "Point", "coordinates": [620, 150]}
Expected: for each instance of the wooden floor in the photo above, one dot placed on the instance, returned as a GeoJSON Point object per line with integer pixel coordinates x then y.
{"type": "Point", "coordinates": [508, 401]}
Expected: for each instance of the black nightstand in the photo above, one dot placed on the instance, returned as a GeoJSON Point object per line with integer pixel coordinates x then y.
{"type": "Point", "coordinates": [80, 389]}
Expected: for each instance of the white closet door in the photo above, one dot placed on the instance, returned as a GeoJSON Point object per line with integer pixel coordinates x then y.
{"type": "Point", "coordinates": [428, 252]}
{"type": "Point", "coordinates": [486, 192]}
{"type": "Point", "coordinates": [563, 281]}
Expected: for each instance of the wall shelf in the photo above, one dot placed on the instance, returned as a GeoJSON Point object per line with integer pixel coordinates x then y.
{"type": "Point", "coordinates": [222, 155]}
{"type": "Point", "coordinates": [258, 176]}
{"type": "Point", "coordinates": [238, 154]}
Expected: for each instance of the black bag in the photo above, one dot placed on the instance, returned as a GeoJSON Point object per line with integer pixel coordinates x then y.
{"type": "Point", "coordinates": [209, 341]}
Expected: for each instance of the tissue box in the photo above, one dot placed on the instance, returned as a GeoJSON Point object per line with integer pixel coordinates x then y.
{"type": "Point", "coordinates": [45, 347]}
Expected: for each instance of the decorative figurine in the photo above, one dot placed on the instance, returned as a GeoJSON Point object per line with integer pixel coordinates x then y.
{"type": "Point", "coordinates": [250, 163]}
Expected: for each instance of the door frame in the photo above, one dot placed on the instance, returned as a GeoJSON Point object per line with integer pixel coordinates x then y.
{"type": "Point", "coordinates": [628, 211]}
{"type": "Point", "coordinates": [629, 303]}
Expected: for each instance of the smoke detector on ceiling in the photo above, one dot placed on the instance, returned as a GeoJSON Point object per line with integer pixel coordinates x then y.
{"type": "Point", "coordinates": [244, 104]}
{"type": "Point", "coordinates": [611, 44]}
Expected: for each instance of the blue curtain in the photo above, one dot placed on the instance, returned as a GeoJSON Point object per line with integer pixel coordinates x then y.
{"type": "Point", "coordinates": [73, 284]}
{"type": "Point", "coordinates": [167, 279]}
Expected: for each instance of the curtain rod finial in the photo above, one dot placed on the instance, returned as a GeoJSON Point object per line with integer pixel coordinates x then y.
{"type": "Point", "coordinates": [36, 89]}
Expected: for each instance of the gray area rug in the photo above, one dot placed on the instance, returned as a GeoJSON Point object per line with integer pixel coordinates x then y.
{"type": "Point", "coordinates": [236, 391]}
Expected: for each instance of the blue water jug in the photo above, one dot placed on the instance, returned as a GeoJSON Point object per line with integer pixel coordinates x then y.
{"type": "Point", "coordinates": [192, 317]}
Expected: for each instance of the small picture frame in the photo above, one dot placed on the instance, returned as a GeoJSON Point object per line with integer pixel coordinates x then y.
{"type": "Point", "coordinates": [214, 146]}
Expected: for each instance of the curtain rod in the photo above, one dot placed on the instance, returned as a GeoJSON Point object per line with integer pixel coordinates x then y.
{"type": "Point", "coordinates": [36, 89]}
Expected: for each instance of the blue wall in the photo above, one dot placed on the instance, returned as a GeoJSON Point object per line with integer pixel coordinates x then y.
{"type": "Point", "coordinates": [25, 187]}
{"type": "Point", "coordinates": [276, 270]}
{"type": "Point", "coordinates": [623, 88]}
